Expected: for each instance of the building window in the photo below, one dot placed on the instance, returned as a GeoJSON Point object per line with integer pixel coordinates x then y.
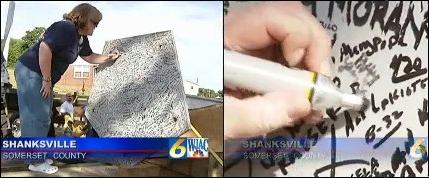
{"type": "Point", "coordinates": [77, 75]}
{"type": "Point", "coordinates": [81, 71]}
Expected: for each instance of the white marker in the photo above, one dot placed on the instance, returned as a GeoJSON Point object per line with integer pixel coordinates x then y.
{"type": "Point", "coordinates": [264, 76]}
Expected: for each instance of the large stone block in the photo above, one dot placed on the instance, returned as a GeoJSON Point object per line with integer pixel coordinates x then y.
{"type": "Point", "coordinates": [141, 94]}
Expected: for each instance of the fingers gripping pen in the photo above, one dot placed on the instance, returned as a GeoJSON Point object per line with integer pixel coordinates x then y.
{"type": "Point", "coordinates": [264, 76]}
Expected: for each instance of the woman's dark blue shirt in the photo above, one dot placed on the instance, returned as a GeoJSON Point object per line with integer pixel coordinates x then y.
{"type": "Point", "coordinates": [65, 43]}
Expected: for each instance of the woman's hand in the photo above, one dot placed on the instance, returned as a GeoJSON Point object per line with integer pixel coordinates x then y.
{"type": "Point", "coordinates": [283, 32]}
{"type": "Point", "coordinates": [114, 54]}
{"type": "Point", "coordinates": [46, 89]}
{"type": "Point", "coordinates": [95, 58]}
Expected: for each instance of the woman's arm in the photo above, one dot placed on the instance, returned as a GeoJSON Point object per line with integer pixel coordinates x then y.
{"type": "Point", "coordinates": [45, 61]}
{"type": "Point", "coordinates": [95, 58]}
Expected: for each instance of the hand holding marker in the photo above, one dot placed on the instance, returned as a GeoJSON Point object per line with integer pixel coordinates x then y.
{"type": "Point", "coordinates": [285, 33]}
{"type": "Point", "coordinates": [264, 76]}
{"type": "Point", "coordinates": [267, 77]}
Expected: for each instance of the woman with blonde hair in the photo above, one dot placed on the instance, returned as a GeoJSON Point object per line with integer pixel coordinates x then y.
{"type": "Point", "coordinates": [43, 64]}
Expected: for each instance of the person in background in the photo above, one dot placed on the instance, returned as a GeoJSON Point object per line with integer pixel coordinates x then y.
{"type": "Point", "coordinates": [67, 106]}
{"type": "Point", "coordinates": [68, 131]}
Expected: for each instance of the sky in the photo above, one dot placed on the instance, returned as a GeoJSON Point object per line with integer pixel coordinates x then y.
{"type": "Point", "coordinates": [197, 29]}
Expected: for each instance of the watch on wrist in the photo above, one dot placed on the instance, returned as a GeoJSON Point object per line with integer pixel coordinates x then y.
{"type": "Point", "coordinates": [47, 79]}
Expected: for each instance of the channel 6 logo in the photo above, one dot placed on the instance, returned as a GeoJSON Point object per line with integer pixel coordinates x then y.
{"type": "Point", "coordinates": [183, 148]}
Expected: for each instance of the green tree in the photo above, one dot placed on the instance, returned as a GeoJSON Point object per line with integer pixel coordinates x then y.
{"type": "Point", "coordinates": [201, 92]}
{"type": "Point", "coordinates": [33, 36]}
{"type": "Point", "coordinates": [209, 93]}
{"type": "Point", "coordinates": [19, 46]}
{"type": "Point", "coordinates": [225, 7]}
{"type": "Point", "coordinates": [15, 50]}
{"type": "Point", "coordinates": [213, 94]}
{"type": "Point", "coordinates": [220, 93]}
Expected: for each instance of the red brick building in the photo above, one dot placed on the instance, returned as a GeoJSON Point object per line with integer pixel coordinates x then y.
{"type": "Point", "coordinates": [79, 74]}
